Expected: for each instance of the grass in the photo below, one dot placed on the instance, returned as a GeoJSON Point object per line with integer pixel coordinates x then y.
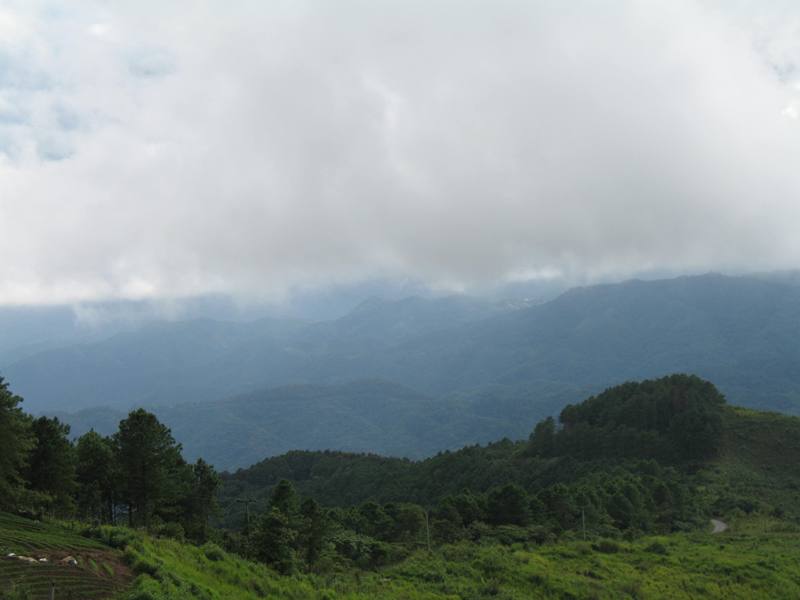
{"type": "Point", "coordinates": [758, 559]}
{"type": "Point", "coordinates": [55, 541]}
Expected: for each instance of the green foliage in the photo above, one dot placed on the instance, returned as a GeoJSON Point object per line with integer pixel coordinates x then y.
{"type": "Point", "coordinates": [747, 565]}
{"type": "Point", "coordinates": [51, 464]}
{"type": "Point", "coordinates": [17, 441]}
{"type": "Point", "coordinates": [201, 500]}
{"type": "Point", "coordinates": [96, 476]}
{"type": "Point", "coordinates": [152, 466]}
{"type": "Point", "coordinates": [678, 417]}
{"type": "Point", "coordinates": [273, 541]}
{"type": "Point", "coordinates": [508, 505]}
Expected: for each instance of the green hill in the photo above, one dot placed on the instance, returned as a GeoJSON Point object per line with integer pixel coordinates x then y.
{"type": "Point", "coordinates": [754, 467]}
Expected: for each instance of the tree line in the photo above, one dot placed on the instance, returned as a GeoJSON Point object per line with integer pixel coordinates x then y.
{"type": "Point", "coordinates": [136, 476]}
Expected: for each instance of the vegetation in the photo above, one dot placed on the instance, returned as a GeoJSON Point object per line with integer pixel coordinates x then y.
{"type": "Point", "coordinates": [99, 571]}
{"type": "Point", "coordinates": [138, 473]}
{"type": "Point", "coordinates": [759, 558]}
{"type": "Point", "coordinates": [613, 500]}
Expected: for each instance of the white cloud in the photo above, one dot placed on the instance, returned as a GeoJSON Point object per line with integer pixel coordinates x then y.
{"type": "Point", "coordinates": [168, 149]}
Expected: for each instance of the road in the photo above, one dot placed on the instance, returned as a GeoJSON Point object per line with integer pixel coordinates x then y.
{"type": "Point", "coordinates": [719, 526]}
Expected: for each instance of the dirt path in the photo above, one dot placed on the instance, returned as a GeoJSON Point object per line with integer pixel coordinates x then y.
{"type": "Point", "coordinates": [719, 526]}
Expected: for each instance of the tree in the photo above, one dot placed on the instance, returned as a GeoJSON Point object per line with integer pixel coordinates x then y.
{"type": "Point", "coordinates": [508, 505]}
{"type": "Point", "coordinates": [314, 528]}
{"type": "Point", "coordinates": [408, 521]}
{"type": "Point", "coordinates": [273, 541]}
{"type": "Point", "coordinates": [51, 467]}
{"type": "Point", "coordinates": [375, 522]}
{"type": "Point", "coordinates": [201, 500]}
{"type": "Point", "coordinates": [542, 440]}
{"type": "Point", "coordinates": [96, 476]}
{"type": "Point", "coordinates": [150, 467]}
{"type": "Point", "coordinates": [284, 499]}
{"type": "Point", "coordinates": [17, 441]}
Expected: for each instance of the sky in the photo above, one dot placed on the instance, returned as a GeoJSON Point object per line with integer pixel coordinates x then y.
{"type": "Point", "coordinates": [175, 149]}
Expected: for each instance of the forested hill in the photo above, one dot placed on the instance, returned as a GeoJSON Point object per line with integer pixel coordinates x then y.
{"type": "Point", "coordinates": [739, 332]}
{"type": "Point", "coordinates": [676, 430]}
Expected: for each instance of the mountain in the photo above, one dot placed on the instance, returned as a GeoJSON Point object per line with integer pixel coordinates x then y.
{"type": "Point", "coordinates": [202, 359]}
{"type": "Point", "coordinates": [507, 364]}
{"type": "Point", "coordinates": [363, 416]}
{"type": "Point", "coordinates": [740, 332]}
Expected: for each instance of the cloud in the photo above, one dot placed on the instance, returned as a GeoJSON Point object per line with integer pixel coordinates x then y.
{"type": "Point", "coordinates": [174, 149]}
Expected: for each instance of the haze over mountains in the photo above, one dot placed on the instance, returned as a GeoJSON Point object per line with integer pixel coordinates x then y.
{"type": "Point", "coordinates": [413, 376]}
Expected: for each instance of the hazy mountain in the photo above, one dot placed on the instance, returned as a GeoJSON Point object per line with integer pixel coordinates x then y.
{"type": "Point", "coordinates": [202, 359]}
{"type": "Point", "coordinates": [366, 416]}
{"type": "Point", "coordinates": [483, 358]}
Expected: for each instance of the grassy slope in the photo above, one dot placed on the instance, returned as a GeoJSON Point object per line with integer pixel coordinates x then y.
{"type": "Point", "coordinates": [758, 559]}
{"type": "Point", "coordinates": [99, 574]}
{"type": "Point", "coordinates": [732, 565]}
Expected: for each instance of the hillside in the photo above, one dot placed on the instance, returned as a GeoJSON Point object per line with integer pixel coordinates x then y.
{"type": "Point", "coordinates": [99, 573]}
{"type": "Point", "coordinates": [684, 566]}
{"type": "Point", "coordinates": [754, 469]}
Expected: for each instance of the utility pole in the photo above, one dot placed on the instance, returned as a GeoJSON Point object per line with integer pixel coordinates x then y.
{"type": "Point", "coordinates": [428, 530]}
{"type": "Point", "coordinates": [52, 590]}
{"type": "Point", "coordinates": [583, 522]}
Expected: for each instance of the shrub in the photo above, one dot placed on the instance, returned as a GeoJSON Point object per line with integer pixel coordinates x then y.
{"type": "Point", "coordinates": [213, 552]}
{"type": "Point", "coordinates": [656, 548]}
{"type": "Point", "coordinates": [606, 547]}
{"type": "Point", "coordinates": [171, 530]}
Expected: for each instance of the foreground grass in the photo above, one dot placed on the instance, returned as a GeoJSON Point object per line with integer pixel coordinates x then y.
{"type": "Point", "coordinates": [758, 558]}
{"type": "Point", "coordinates": [762, 562]}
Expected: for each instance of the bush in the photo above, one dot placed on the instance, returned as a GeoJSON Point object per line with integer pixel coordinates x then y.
{"type": "Point", "coordinates": [213, 552]}
{"type": "Point", "coordinates": [140, 565]}
{"type": "Point", "coordinates": [607, 547]}
{"type": "Point", "coordinates": [171, 530]}
{"type": "Point", "coordinates": [656, 548]}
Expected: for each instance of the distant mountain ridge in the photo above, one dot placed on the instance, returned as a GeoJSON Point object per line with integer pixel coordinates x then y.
{"type": "Point", "coordinates": [362, 416]}
{"type": "Point", "coordinates": [472, 358]}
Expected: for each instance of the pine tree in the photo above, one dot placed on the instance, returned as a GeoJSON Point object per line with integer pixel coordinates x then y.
{"type": "Point", "coordinates": [201, 500]}
{"type": "Point", "coordinates": [150, 467]}
{"type": "Point", "coordinates": [51, 466]}
{"type": "Point", "coordinates": [96, 476]}
{"type": "Point", "coordinates": [17, 441]}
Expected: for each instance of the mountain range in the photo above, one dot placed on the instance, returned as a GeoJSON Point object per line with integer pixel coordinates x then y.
{"type": "Point", "coordinates": [452, 370]}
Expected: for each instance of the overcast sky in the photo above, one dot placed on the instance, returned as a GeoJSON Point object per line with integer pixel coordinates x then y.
{"type": "Point", "coordinates": [167, 149]}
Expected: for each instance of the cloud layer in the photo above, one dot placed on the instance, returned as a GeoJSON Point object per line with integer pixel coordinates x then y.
{"type": "Point", "coordinates": [199, 147]}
